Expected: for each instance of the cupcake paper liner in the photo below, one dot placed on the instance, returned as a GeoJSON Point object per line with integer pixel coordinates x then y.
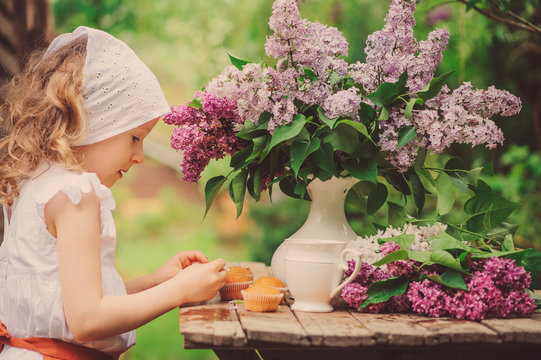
{"type": "Point", "coordinates": [231, 291]}
{"type": "Point", "coordinates": [261, 302]}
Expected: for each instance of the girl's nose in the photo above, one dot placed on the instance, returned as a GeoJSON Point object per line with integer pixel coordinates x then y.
{"type": "Point", "coordinates": [138, 156]}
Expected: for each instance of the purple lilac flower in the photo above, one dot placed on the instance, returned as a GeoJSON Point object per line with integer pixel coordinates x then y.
{"type": "Point", "coordinates": [389, 247]}
{"type": "Point", "coordinates": [246, 87]}
{"type": "Point", "coordinates": [354, 294]}
{"type": "Point", "coordinates": [367, 273]}
{"type": "Point", "coordinates": [204, 134]}
{"type": "Point", "coordinates": [506, 274]}
{"type": "Point", "coordinates": [520, 303]}
{"type": "Point", "coordinates": [345, 103]}
{"type": "Point", "coordinates": [428, 298]}
{"type": "Point", "coordinates": [461, 116]}
{"type": "Point", "coordinates": [399, 304]}
{"type": "Point", "coordinates": [466, 305]}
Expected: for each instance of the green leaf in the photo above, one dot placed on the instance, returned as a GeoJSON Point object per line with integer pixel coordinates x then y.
{"type": "Point", "coordinates": [383, 290]}
{"type": "Point", "coordinates": [343, 139]}
{"type": "Point", "coordinates": [360, 127]}
{"type": "Point", "coordinates": [300, 189]}
{"type": "Point", "coordinates": [403, 240]}
{"type": "Point", "coordinates": [300, 150]}
{"type": "Point", "coordinates": [196, 103]}
{"type": "Point", "coordinates": [397, 214]}
{"type": "Point", "coordinates": [398, 181]}
{"type": "Point", "coordinates": [455, 168]}
{"type": "Point", "coordinates": [238, 63]}
{"type": "Point", "coordinates": [420, 256]}
{"type": "Point", "coordinates": [434, 87]}
{"type": "Point", "coordinates": [408, 113]}
{"type": "Point", "coordinates": [442, 257]}
{"type": "Point", "coordinates": [426, 174]}
{"type": "Point", "coordinates": [377, 198]}
{"type": "Point", "coordinates": [384, 94]}
{"type": "Point", "coordinates": [531, 262]}
{"type": "Point", "coordinates": [309, 74]}
{"type": "Point", "coordinates": [401, 82]}
{"type": "Point", "coordinates": [405, 135]}
{"type": "Point", "coordinates": [250, 130]}
{"type": "Point", "coordinates": [450, 278]}
{"type": "Point", "coordinates": [329, 122]}
{"type": "Point", "coordinates": [507, 243]}
{"type": "Point", "coordinates": [391, 257]}
{"type": "Point", "coordinates": [363, 169]}
{"type": "Point", "coordinates": [367, 114]}
{"type": "Point", "coordinates": [254, 183]}
{"type": "Point", "coordinates": [446, 194]}
{"type": "Point", "coordinates": [259, 144]}
{"type": "Point", "coordinates": [285, 132]}
{"type": "Point", "coordinates": [324, 158]}
{"type": "Point", "coordinates": [418, 191]}
{"type": "Point", "coordinates": [212, 188]}
{"type": "Point", "coordinates": [444, 241]}
{"type": "Point", "coordinates": [239, 158]}
{"type": "Point", "coordinates": [237, 189]}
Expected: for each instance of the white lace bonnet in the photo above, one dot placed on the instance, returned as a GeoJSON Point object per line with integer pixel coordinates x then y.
{"type": "Point", "coordinates": [119, 90]}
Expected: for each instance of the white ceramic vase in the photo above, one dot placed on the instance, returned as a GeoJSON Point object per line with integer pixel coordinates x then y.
{"type": "Point", "coordinates": [326, 219]}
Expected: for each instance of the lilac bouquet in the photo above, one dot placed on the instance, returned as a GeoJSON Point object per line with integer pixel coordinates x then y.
{"type": "Point", "coordinates": [313, 115]}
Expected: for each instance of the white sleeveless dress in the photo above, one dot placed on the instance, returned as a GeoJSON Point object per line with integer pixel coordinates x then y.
{"type": "Point", "coordinates": [30, 295]}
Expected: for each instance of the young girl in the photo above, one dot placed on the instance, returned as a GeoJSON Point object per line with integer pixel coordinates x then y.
{"type": "Point", "coordinates": [77, 119]}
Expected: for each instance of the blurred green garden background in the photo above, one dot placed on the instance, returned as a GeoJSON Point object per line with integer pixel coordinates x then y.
{"type": "Point", "coordinates": [185, 43]}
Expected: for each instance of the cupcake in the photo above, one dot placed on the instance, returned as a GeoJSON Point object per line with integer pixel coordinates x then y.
{"type": "Point", "coordinates": [237, 269]}
{"type": "Point", "coordinates": [261, 298]}
{"type": "Point", "coordinates": [234, 283]}
{"type": "Point", "coordinates": [271, 281]}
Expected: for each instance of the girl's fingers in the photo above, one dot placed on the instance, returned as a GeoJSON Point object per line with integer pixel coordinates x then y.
{"type": "Point", "coordinates": [218, 264]}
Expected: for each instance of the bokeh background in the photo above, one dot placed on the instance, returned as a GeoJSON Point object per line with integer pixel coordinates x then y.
{"type": "Point", "coordinates": [186, 43]}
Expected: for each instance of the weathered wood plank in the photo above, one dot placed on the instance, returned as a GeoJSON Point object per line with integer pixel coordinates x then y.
{"type": "Point", "coordinates": [211, 324]}
{"type": "Point", "coordinates": [448, 330]}
{"type": "Point", "coordinates": [516, 330]}
{"type": "Point", "coordinates": [337, 329]}
{"type": "Point", "coordinates": [392, 329]}
{"type": "Point", "coordinates": [280, 326]}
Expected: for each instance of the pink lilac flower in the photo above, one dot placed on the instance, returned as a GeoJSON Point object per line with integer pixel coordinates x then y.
{"type": "Point", "coordinates": [344, 103]}
{"type": "Point", "coordinates": [506, 274]}
{"type": "Point", "coordinates": [204, 134]}
{"type": "Point", "coordinates": [461, 116]}
{"type": "Point", "coordinates": [367, 273]}
{"type": "Point", "coordinates": [428, 298]}
{"type": "Point", "coordinates": [247, 87]}
{"type": "Point", "coordinates": [354, 294]}
{"type": "Point", "coordinates": [520, 303]}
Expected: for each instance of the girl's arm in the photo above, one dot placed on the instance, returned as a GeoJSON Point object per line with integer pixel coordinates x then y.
{"type": "Point", "coordinates": [179, 261]}
{"type": "Point", "coordinates": [90, 314]}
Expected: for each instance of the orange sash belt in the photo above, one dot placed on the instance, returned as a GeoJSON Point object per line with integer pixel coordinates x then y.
{"type": "Point", "coordinates": [51, 349]}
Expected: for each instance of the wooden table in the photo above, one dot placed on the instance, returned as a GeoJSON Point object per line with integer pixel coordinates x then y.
{"type": "Point", "coordinates": [235, 333]}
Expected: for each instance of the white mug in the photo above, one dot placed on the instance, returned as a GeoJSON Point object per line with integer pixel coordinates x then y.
{"type": "Point", "coordinates": [313, 271]}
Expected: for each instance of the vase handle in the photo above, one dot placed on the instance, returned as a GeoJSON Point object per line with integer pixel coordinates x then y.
{"type": "Point", "coordinates": [344, 266]}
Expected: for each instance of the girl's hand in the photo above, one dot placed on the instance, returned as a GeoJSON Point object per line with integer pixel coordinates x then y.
{"type": "Point", "coordinates": [200, 282]}
{"type": "Point", "coordinates": [179, 261]}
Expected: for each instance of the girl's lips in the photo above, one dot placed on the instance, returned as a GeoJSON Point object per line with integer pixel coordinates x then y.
{"type": "Point", "coordinates": [120, 173]}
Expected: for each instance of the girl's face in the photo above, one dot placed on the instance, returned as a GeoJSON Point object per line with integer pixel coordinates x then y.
{"type": "Point", "coordinates": [112, 157]}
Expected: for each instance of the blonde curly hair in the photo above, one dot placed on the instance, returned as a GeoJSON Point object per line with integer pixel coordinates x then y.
{"type": "Point", "coordinates": [43, 116]}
